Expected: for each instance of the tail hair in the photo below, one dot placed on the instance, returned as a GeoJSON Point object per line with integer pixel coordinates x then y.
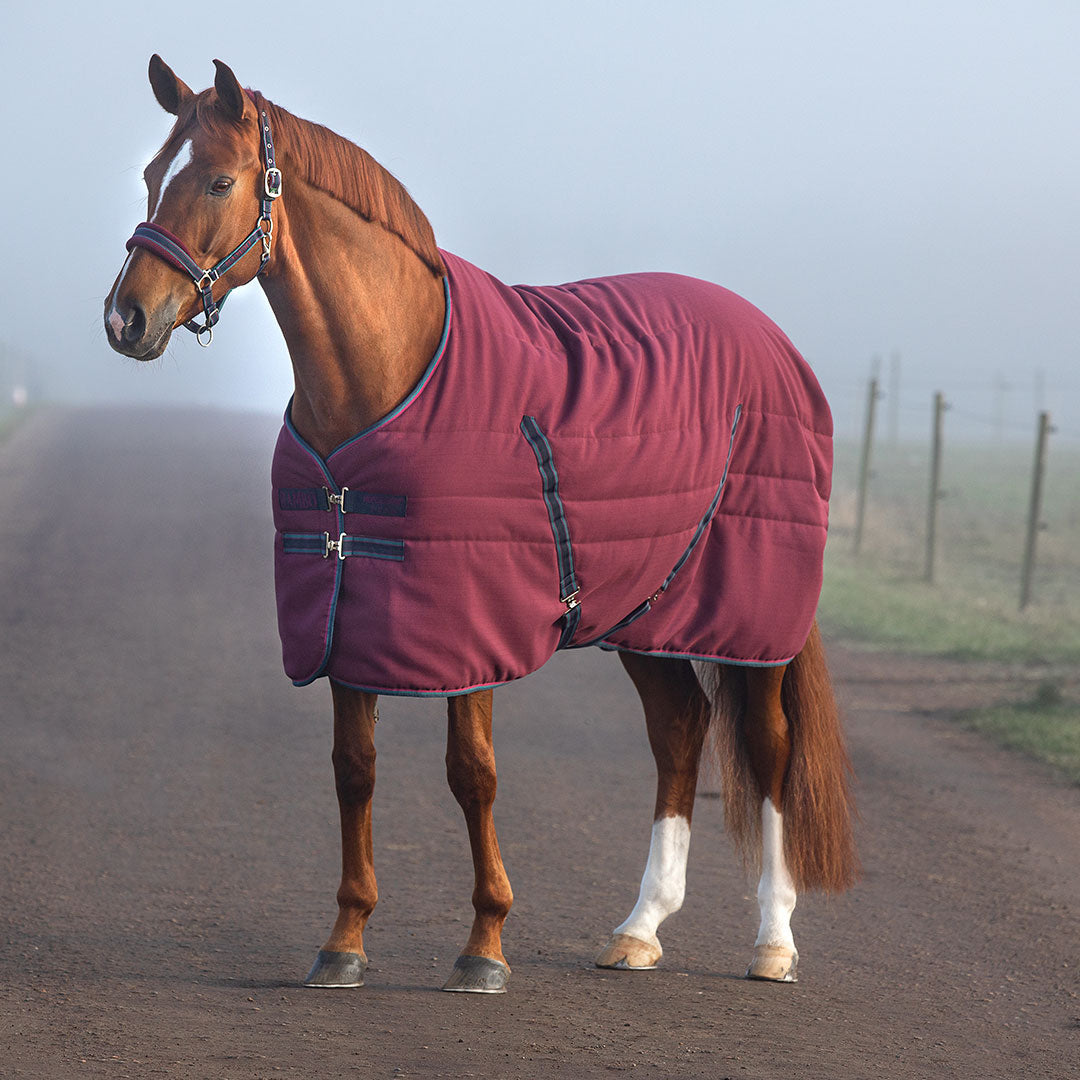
{"type": "Point", "coordinates": [818, 807]}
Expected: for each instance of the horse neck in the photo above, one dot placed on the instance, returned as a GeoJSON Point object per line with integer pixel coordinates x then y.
{"type": "Point", "coordinates": [361, 315]}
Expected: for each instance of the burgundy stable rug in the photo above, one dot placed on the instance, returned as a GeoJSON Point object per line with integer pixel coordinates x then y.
{"type": "Point", "coordinates": [639, 462]}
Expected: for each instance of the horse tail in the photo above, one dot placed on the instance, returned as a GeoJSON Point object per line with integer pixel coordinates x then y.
{"type": "Point", "coordinates": [819, 846]}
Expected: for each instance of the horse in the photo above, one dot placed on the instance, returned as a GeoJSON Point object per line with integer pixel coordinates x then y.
{"type": "Point", "coordinates": [664, 388]}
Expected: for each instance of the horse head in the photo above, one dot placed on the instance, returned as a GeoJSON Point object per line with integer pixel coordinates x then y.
{"type": "Point", "coordinates": [204, 189]}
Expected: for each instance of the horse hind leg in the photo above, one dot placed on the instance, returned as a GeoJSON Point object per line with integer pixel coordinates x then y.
{"type": "Point", "coordinates": [787, 795]}
{"type": "Point", "coordinates": [676, 715]}
{"type": "Point", "coordinates": [768, 743]}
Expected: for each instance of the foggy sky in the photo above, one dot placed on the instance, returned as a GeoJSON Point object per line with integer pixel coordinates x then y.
{"type": "Point", "coordinates": [879, 178]}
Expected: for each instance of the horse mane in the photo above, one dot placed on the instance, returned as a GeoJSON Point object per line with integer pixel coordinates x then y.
{"type": "Point", "coordinates": [343, 170]}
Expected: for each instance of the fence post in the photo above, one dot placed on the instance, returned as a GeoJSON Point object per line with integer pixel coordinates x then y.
{"type": "Point", "coordinates": [1034, 523]}
{"type": "Point", "coordinates": [893, 398]}
{"type": "Point", "coordinates": [935, 484]}
{"type": "Point", "coordinates": [864, 463]}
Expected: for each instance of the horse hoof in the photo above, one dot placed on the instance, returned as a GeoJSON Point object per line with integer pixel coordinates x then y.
{"type": "Point", "coordinates": [630, 954]}
{"type": "Point", "coordinates": [478, 975]}
{"type": "Point", "coordinates": [774, 963]}
{"type": "Point", "coordinates": [337, 969]}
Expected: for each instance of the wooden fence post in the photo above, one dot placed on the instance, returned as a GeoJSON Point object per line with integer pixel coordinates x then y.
{"type": "Point", "coordinates": [1034, 523]}
{"type": "Point", "coordinates": [864, 463]}
{"type": "Point", "coordinates": [935, 484]}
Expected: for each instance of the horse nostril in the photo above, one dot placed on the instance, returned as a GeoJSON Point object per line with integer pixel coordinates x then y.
{"type": "Point", "coordinates": [134, 323]}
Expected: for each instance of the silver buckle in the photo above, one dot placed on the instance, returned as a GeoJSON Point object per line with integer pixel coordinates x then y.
{"type": "Point", "coordinates": [272, 183]}
{"type": "Point", "coordinates": [571, 601]}
{"type": "Point", "coordinates": [337, 545]}
{"type": "Point", "coordinates": [336, 500]}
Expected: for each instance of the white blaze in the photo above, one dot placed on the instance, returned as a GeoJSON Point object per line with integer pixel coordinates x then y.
{"type": "Point", "coordinates": [776, 890]}
{"type": "Point", "coordinates": [176, 166]}
{"type": "Point", "coordinates": [663, 884]}
{"type": "Point", "coordinates": [116, 320]}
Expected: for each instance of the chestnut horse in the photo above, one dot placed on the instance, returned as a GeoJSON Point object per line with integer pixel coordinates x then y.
{"type": "Point", "coordinates": [350, 267]}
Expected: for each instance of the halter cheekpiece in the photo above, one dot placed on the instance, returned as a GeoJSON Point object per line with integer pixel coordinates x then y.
{"type": "Point", "coordinates": [176, 253]}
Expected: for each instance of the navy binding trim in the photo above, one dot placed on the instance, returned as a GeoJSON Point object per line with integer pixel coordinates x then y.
{"type": "Point", "coordinates": [564, 552]}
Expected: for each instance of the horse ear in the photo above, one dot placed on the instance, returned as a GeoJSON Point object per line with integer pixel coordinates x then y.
{"type": "Point", "coordinates": [170, 91]}
{"type": "Point", "coordinates": [231, 96]}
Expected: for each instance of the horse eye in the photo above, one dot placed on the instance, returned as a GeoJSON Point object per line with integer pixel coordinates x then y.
{"type": "Point", "coordinates": [221, 186]}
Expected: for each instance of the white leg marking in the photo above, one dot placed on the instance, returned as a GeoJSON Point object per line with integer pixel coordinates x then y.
{"type": "Point", "coordinates": [178, 163]}
{"type": "Point", "coordinates": [776, 890]}
{"type": "Point", "coordinates": [664, 882]}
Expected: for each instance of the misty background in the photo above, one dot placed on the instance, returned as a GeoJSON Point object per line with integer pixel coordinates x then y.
{"type": "Point", "coordinates": [895, 184]}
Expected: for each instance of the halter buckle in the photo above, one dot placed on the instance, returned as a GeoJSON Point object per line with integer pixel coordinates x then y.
{"type": "Point", "coordinates": [272, 183]}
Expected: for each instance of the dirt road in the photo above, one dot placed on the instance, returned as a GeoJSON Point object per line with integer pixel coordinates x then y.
{"type": "Point", "coordinates": [168, 845]}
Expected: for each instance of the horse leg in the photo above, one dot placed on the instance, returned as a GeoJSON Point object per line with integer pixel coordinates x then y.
{"type": "Point", "coordinates": [677, 716]}
{"type": "Point", "coordinates": [470, 769]}
{"type": "Point", "coordinates": [342, 961]}
{"type": "Point", "coordinates": [768, 742]}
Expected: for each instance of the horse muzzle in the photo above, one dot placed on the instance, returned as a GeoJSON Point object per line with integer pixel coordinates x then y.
{"type": "Point", "coordinates": [133, 332]}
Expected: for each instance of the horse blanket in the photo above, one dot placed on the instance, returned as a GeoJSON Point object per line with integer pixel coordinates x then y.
{"type": "Point", "coordinates": [639, 462]}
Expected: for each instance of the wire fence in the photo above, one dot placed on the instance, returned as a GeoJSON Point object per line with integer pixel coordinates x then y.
{"type": "Point", "coordinates": [942, 503]}
{"type": "Point", "coordinates": [989, 408]}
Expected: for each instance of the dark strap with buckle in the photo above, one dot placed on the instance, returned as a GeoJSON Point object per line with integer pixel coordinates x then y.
{"type": "Point", "coordinates": [350, 502]}
{"type": "Point", "coordinates": [569, 589]}
{"type": "Point", "coordinates": [342, 546]}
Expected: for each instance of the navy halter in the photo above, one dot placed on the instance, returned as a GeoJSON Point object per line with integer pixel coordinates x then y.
{"type": "Point", "coordinates": [175, 252]}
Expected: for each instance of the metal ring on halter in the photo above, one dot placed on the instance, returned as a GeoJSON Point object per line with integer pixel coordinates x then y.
{"type": "Point", "coordinates": [267, 237]}
{"type": "Point", "coordinates": [209, 335]}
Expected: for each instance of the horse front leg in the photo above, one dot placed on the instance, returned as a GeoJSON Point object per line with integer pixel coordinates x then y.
{"type": "Point", "coordinates": [677, 717]}
{"type": "Point", "coordinates": [341, 961]}
{"type": "Point", "coordinates": [470, 769]}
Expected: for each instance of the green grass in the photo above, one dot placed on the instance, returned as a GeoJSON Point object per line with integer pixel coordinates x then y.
{"type": "Point", "coordinates": [873, 606]}
{"type": "Point", "coordinates": [1050, 733]}
{"type": "Point", "coordinates": [879, 599]}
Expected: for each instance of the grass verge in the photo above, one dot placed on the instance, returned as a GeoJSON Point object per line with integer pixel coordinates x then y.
{"type": "Point", "coordinates": [871, 606]}
{"type": "Point", "coordinates": [1050, 733]}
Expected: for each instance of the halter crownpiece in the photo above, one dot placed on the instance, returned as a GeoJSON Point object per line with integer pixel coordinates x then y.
{"type": "Point", "coordinates": [176, 253]}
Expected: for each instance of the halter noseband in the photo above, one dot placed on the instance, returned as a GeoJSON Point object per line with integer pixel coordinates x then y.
{"type": "Point", "coordinates": [175, 252]}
